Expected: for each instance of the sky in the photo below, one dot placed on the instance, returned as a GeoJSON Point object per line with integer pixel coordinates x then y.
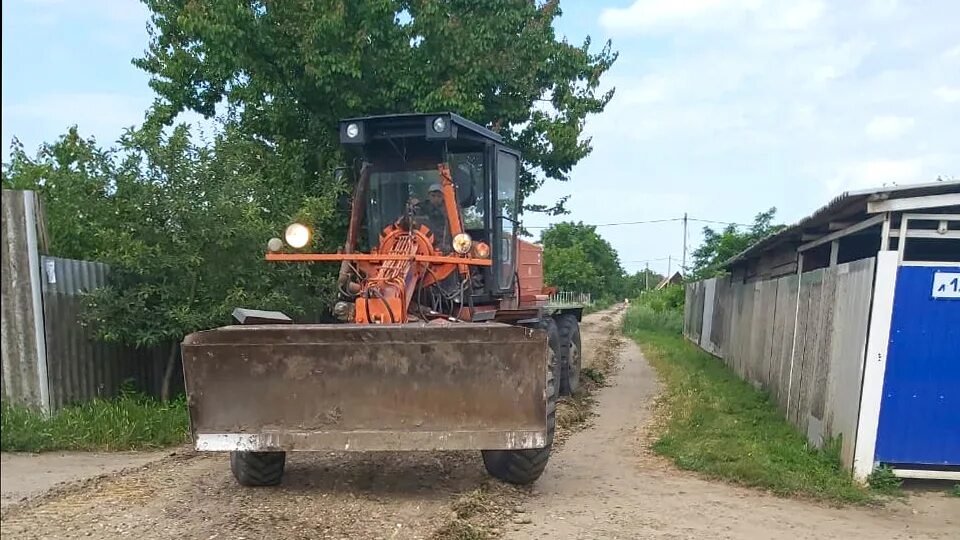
{"type": "Point", "coordinates": [722, 109]}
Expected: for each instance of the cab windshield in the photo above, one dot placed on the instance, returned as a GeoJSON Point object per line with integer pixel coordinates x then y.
{"type": "Point", "coordinates": [417, 192]}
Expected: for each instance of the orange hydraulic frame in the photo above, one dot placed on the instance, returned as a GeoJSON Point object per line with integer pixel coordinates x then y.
{"type": "Point", "coordinates": [392, 275]}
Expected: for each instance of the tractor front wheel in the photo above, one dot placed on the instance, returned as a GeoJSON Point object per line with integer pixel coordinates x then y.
{"type": "Point", "coordinates": [525, 466]}
{"type": "Point", "coordinates": [570, 360]}
{"type": "Point", "coordinates": [258, 468]}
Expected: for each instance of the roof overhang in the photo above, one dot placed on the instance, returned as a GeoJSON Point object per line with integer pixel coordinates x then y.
{"type": "Point", "coordinates": [853, 211]}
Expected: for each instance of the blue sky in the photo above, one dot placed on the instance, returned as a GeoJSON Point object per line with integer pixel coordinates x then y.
{"type": "Point", "coordinates": [723, 107]}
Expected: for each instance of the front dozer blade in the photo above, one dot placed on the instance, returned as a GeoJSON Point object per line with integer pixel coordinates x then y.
{"type": "Point", "coordinates": [367, 387]}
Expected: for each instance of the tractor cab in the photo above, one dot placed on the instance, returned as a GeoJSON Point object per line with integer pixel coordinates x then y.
{"type": "Point", "coordinates": [401, 184]}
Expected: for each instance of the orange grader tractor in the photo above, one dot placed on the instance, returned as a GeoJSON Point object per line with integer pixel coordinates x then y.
{"type": "Point", "coordinates": [447, 341]}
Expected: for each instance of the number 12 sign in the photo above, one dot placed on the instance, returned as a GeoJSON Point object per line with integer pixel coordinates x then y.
{"type": "Point", "coordinates": [946, 284]}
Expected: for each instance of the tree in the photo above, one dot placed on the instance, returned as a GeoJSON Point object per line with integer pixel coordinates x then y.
{"type": "Point", "coordinates": [576, 258]}
{"type": "Point", "coordinates": [719, 247]}
{"type": "Point", "coordinates": [569, 269]}
{"type": "Point", "coordinates": [183, 228]}
{"type": "Point", "coordinates": [287, 71]}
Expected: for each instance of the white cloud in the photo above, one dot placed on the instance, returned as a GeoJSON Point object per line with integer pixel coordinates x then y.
{"type": "Point", "coordinates": [882, 8]}
{"type": "Point", "coordinates": [880, 172]}
{"type": "Point", "coordinates": [809, 82]}
{"type": "Point", "coordinates": [644, 90]}
{"type": "Point", "coordinates": [950, 94]}
{"type": "Point", "coordinates": [101, 114]}
{"type": "Point", "coordinates": [889, 127]}
{"type": "Point", "coordinates": [117, 11]}
{"type": "Point", "coordinates": [711, 15]}
{"type": "Point", "coordinates": [952, 53]}
{"type": "Point", "coordinates": [835, 61]}
{"type": "Point", "coordinates": [795, 16]}
{"type": "Point", "coordinates": [650, 14]}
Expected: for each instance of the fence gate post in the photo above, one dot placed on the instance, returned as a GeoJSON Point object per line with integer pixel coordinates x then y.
{"type": "Point", "coordinates": [36, 291]}
{"type": "Point", "coordinates": [24, 351]}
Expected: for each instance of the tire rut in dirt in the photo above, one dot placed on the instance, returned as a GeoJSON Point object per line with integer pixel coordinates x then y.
{"type": "Point", "coordinates": [525, 466]}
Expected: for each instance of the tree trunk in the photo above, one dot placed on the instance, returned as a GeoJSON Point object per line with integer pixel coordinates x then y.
{"type": "Point", "coordinates": [168, 372]}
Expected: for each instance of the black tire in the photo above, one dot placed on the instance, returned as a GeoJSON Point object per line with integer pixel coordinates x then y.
{"type": "Point", "coordinates": [525, 466]}
{"type": "Point", "coordinates": [570, 353]}
{"type": "Point", "coordinates": [258, 468]}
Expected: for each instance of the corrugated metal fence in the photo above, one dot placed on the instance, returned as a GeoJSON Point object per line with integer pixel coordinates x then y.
{"type": "Point", "coordinates": [49, 358]}
{"type": "Point", "coordinates": [802, 338]}
{"type": "Point", "coordinates": [79, 368]}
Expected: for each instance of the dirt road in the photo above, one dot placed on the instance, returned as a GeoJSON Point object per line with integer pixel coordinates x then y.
{"type": "Point", "coordinates": [602, 483]}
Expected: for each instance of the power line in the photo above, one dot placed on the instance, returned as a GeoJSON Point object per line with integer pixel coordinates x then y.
{"type": "Point", "coordinates": [721, 222]}
{"type": "Point", "coordinates": [649, 221]}
{"type": "Point", "coordinates": [649, 260]}
{"type": "Point", "coordinates": [617, 224]}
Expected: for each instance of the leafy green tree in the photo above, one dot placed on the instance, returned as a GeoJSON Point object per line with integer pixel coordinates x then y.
{"type": "Point", "coordinates": [287, 71]}
{"type": "Point", "coordinates": [719, 247]}
{"type": "Point", "coordinates": [183, 228]}
{"type": "Point", "coordinates": [75, 178]}
{"type": "Point", "coordinates": [576, 258]}
{"type": "Point", "coordinates": [569, 269]}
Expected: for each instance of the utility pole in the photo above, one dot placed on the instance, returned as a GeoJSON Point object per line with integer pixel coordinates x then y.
{"type": "Point", "coordinates": [683, 266]}
{"type": "Point", "coordinates": [669, 262]}
{"type": "Point", "coordinates": [646, 278]}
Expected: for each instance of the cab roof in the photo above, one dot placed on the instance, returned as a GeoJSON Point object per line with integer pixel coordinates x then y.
{"type": "Point", "coordinates": [414, 125]}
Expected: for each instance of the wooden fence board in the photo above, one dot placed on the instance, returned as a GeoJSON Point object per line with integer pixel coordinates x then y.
{"type": "Point", "coordinates": [811, 349]}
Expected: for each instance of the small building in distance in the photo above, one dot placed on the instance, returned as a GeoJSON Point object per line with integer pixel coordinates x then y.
{"type": "Point", "coordinates": [675, 279]}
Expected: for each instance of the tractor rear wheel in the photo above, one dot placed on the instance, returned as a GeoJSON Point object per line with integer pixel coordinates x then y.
{"type": "Point", "coordinates": [526, 466]}
{"type": "Point", "coordinates": [258, 468]}
{"type": "Point", "coordinates": [570, 356]}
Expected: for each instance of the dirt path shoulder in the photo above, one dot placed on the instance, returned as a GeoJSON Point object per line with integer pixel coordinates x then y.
{"type": "Point", "coordinates": [604, 483]}
{"type": "Point", "coordinates": [23, 476]}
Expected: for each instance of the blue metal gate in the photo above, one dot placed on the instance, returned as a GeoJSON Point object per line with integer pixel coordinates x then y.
{"type": "Point", "coordinates": [920, 409]}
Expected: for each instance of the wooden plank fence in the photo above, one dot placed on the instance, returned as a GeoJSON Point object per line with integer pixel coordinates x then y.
{"type": "Point", "coordinates": [800, 338]}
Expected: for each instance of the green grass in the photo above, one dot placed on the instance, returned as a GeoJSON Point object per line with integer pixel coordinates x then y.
{"type": "Point", "coordinates": [882, 480]}
{"type": "Point", "coordinates": [644, 316]}
{"type": "Point", "coordinates": [955, 491]}
{"type": "Point", "coordinates": [129, 422]}
{"type": "Point", "coordinates": [720, 426]}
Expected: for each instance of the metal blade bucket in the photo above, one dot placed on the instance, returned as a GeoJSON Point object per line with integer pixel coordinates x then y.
{"type": "Point", "coordinates": [367, 387]}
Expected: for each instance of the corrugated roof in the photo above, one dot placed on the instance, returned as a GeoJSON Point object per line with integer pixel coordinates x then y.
{"type": "Point", "coordinates": [843, 206]}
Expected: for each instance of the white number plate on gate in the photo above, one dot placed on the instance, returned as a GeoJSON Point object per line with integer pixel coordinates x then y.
{"type": "Point", "coordinates": [946, 284]}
